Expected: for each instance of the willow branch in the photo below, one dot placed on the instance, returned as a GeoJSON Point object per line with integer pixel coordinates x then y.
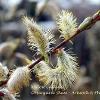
{"type": "Point", "coordinates": [85, 25]}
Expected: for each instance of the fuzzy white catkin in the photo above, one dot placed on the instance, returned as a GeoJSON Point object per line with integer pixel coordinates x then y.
{"type": "Point", "coordinates": [19, 79]}
{"type": "Point", "coordinates": [7, 95]}
{"type": "Point", "coordinates": [38, 37]}
{"type": "Point", "coordinates": [63, 76]}
{"type": "Point", "coordinates": [66, 24]}
{"type": "Point", "coordinates": [35, 87]}
{"type": "Point", "coordinates": [3, 72]}
{"type": "Point", "coordinates": [35, 35]}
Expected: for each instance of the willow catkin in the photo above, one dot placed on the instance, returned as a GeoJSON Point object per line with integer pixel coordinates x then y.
{"type": "Point", "coordinates": [3, 72]}
{"type": "Point", "coordinates": [63, 76]}
{"type": "Point", "coordinates": [37, 37]}
{"type": "Point", "coordinates": [7, 95]}
{"type": "Point", "coordinates": [8, 48]}
{"type": "Point", "coordinates": [20, 78]}
{"type": "Point", "coordinates": [66, 24]}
